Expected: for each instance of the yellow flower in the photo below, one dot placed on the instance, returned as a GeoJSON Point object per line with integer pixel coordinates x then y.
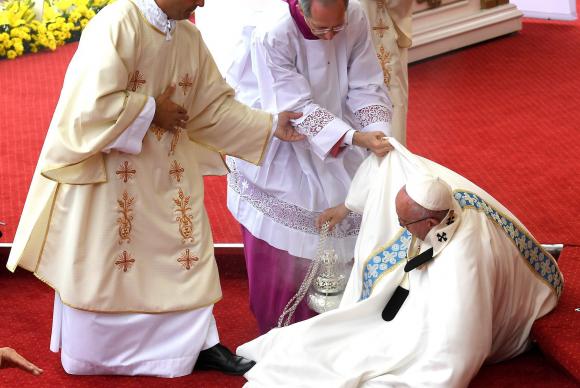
{"type": "Point", "coordinates": [11, 54]}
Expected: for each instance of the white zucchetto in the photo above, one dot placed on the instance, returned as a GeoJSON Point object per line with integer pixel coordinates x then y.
{"type": "Point", "coordinates": [431, 192]}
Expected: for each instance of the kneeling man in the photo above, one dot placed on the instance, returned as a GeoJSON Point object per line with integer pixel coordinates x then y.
{"type": "Point", "coordinates": [445, 279]}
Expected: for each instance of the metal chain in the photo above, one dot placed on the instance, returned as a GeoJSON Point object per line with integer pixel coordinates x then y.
{"type": "Point", "coordinates": [290, 309]}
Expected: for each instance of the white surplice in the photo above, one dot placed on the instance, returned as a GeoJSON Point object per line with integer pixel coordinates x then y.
{"type": "Point", "coordinates": [338, 86]}
{"type": "Point", "coordinates": [474, 303]}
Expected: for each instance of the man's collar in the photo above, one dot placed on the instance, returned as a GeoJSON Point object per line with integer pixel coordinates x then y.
{"type": "Point", "coordinates": [300, 21]}
{"type": "Point", "coordinates": [440, 235]}
{"type": "Point", "coordinates": [156, 17]}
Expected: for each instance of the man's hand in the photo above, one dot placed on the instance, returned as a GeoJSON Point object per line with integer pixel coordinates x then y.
{"type": "Point", "coordinates": [169, 115]}
{"type": "Point", "coordinates": [333, 215]}
{"type": "Point", "coordinates": [285, 131]}
{"type": "Point", "coordinates": [10, 359]}
{"type": "Point", "coordinates": [374, 141]}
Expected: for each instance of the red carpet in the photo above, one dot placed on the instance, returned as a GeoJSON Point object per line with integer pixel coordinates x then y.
{"type": "Point", "coordinates": [29, 309]}
{"type": "Point", "coordinates": [502, 113]}
{"type": "Point", "coordinates": [557, 333]}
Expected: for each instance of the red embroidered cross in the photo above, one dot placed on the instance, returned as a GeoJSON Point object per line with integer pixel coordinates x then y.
{"type": "Point", "coordinates": [137, 80]}
{"type": "Point", "coordinates": [124, 261]}
{"type": "Point", "coordinates": [125, 172]}
{"type": "Point", "coordinates": [187, 260]}
{"type": "Point", "coordinates": [185, 83]}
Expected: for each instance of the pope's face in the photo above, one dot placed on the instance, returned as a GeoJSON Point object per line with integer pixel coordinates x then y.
{"type": "Point", "coordinates": [179, 9]}
{"type": "Point", "coordinates": [409, 217]}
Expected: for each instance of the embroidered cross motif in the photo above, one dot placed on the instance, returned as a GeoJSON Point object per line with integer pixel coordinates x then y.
{"type": "Point", "coordinates": [186, 260]}
{"type": "Point", "coordinates": [384, 58]}
{"type": "Point", "coordinates": [124, 261]}
{"type": "Point", "coordinates": [125, 171]}
{"type": "Point", "coordinates": [136, 81]}
{"type": "Point", "coordinates": [380, 28]}
{"type": "Point", "coordinates": [442, 236]}
{"type": "Point", "coordinates": [450, 220]}
{"type": "Point", "coordinates": [176, 171]}
{"type": "Point", "coordinates": [185, 83]}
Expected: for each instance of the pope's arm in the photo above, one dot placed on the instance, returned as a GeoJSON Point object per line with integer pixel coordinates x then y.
{"type": "Point", "coordinates": [221, 123]}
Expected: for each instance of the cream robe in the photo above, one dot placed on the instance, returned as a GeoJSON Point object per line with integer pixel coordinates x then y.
{"type": "Point", "coordinates": [391, 28]}
{"type": "Point", "coordinates": [474, 303]}
{"type": "Point", "coordinates": [128, 233]}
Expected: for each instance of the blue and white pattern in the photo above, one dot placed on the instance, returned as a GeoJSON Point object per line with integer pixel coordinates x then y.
{"type": "Point", "coordinates": [538, 259]}
{"type": "Point", "coordinates": [385, 259]}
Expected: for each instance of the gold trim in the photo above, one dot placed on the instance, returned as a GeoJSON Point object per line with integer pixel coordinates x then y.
{"type": "Point", "coordinates": [124, 311]}
{"type": "Point", "coordinates": [39, 259]}
{"type": "Point", "coordinates": [269, 136]}
{"type": "Point", "coordinates": [525, 232]}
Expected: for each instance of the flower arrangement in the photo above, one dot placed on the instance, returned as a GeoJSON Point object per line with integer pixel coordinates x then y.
{"type": "Point", "coordinates": [62, 22]}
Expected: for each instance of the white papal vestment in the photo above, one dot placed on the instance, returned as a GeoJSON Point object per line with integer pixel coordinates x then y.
{"type": "Point", "coordinates": [474, 303]}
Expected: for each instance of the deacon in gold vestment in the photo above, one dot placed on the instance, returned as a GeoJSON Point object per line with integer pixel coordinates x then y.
{"type": "Point", "coordinates": [114, 220]}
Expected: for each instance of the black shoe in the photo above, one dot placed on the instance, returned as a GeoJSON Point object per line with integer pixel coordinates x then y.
{"type": "Point", "coordinates": [220, 358]}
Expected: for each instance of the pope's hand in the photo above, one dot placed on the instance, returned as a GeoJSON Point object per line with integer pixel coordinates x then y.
{"type": "Point", "coordinates": [169, 115]}
{"type": "Point", "coordinates": [285, 130]}
{"type": "Point", "coordinates": [374, 141]}
{"type": "Point", "coordinates": [10, 359]}
{"type": "Point", "coordinates": [333, 215]}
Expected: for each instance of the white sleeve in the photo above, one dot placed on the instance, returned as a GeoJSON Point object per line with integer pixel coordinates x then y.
{"type": "Point", "coordinates": [131, 140]}
{"type": "Point", "coordinates": [282, 88]}
{"type": "Point", "coordinates": [368, 98]}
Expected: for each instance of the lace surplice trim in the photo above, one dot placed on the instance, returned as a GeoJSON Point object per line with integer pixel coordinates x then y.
{"type": "Point", "coordinates": [372, 114]}
{"type": "Point", "coordinates": [315, 122]}
{"type": "Point", "coordinates": [284, 213]}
